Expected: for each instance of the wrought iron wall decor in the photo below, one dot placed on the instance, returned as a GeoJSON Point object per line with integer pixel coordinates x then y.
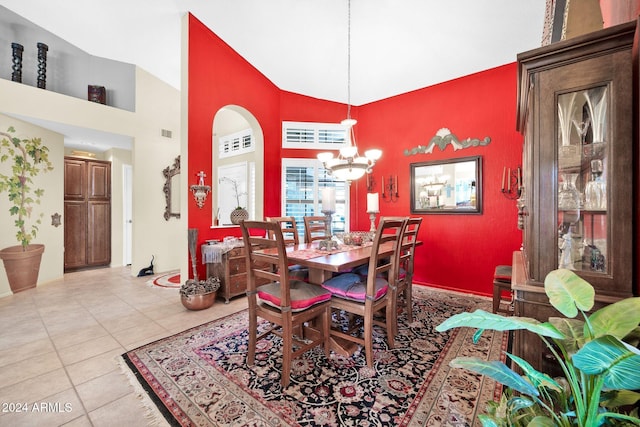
{"type": "Point", "coordinates": [17, 50]}
{"type": "Point", "coordinates": [511, 184]}
{"type": "Point", "coordinates": [444, 137]}
{"type": "Point", "coordinates": [390, 188]}
{"type": "Point", "coordinates": [371, 183]}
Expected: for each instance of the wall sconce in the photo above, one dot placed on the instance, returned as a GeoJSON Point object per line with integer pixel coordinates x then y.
{"type": "Point", "coordinates": [390, 189]}
{"type": "Point", "coordinates": [371, 183]}
{"type": "Point", "coordinates": [200, 190]}
{"type": "Point", "coordinates": [511, 182]}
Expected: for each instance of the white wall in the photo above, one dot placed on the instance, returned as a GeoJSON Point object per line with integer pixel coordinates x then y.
{"type": "Point", "coordinates": [157, 107]}
{"type": "Point", "coordinates": [52, 202]}
{"type": "Point", "coordinates": [69, 69]}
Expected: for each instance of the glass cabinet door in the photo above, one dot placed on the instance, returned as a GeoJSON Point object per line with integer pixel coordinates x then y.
{"type": "Point", "coordinates": [583, 177]}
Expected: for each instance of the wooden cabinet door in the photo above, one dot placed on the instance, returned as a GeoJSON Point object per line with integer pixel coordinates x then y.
{"type": "Point", "coordinates": [74, 179]}
{"type": "Point", "coordinates": [87, 213]}
{"type": "Point", "coordinates": [99, 180]}
{"type": "Point", "coordinates": [75, 234]}
{"type": "Point", "coordinates": [576, 108]}
{"type": "Point", "coordinates": [98, 233]}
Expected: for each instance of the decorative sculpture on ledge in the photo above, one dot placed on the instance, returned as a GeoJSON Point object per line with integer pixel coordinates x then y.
{"type": "Point", "coordinates": [16, 75]}
{"type": "Point", "coordinates": [42, 65]}
{"type": "Point", "coordinates": [443, 138]}
{"type": "Point", "coordinates": [199, 190]}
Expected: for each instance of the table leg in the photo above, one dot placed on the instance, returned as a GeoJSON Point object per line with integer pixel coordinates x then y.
{"type": "Point", "coordinates": [318, 276]}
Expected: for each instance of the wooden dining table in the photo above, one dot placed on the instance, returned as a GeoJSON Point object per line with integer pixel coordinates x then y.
{"type": "Point", "coordinates": [322, 264]}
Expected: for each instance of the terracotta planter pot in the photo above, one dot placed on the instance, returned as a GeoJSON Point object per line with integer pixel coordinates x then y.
{"type": "Point", "coordinates": [199, 301]}
{"type": "Point", "coordinates": [22, 267]}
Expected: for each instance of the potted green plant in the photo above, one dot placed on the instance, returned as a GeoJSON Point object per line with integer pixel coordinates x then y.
{"type": "Point", "coordinates": [28, 157]}
{"type": "Point", "coordinates": [239, 213]}
{"type": "Point", "coordinates": [598, 357]}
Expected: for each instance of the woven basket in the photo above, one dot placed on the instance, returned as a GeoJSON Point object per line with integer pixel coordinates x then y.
{"type": "Point", "coordinates": [238, 215]}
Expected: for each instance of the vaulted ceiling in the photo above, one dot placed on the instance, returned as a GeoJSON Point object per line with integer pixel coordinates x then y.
{"type": "Point", "coordinates": [301, 45]}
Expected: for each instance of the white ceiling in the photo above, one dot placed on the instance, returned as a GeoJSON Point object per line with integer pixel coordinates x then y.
{"type": "Point", "coordinates": [301, 45]}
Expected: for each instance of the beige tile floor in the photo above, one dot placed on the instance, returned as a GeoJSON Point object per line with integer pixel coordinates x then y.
{"type": "Point", "coordinates": [59, 345]}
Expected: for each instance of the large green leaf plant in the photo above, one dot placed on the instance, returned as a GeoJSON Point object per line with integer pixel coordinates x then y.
{"type": "Point", "coordinates": [598, 356]}
{"type": "Point", "coordinates": [28, 158]}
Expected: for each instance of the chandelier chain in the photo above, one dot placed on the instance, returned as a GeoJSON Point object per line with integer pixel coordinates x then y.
{"type": "Point", "coordinates": [348, 59]}
{"type": "Point", "coordinates": [349, 165]}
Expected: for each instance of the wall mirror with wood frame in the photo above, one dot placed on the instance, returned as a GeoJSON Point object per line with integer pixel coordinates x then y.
{"type": "Point", "coordinates": [452, 186]}
{"type": "Point", "coordinates": [171, 190]}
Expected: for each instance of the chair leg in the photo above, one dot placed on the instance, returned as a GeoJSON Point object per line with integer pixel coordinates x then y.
{"type": "Point", "coordinates": [368, 340]}
{"type": "Point", "coordinates": [253, 333]}
{"type": "Point", "coordinates": [287, 348]}
{"type": "Point", "coordinates": [326, 331]}
{"type": "Point", "coordinates": [392, 324]}
{"type": "Point", "coordinates": [496, 298]}
{"type": "Point", "coordinates": [408, 300]}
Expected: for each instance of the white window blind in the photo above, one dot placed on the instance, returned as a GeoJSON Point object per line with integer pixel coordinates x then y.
{"type": "Point", "coordinates": [236, 143]}
{"type": "Point", "coordinates": [302, 183]}
{"type": "Point", "coordinates": [323, 136]}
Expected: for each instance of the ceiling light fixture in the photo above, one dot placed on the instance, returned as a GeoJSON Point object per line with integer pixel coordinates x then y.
{"type": "Point", "coordinates": [349, 165]}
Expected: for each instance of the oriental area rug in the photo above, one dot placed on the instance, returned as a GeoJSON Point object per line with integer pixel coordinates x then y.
{"type": "Point", "coordinates": [199, 377]}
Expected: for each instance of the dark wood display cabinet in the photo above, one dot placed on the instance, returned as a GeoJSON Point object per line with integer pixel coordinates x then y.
{"type": "Point", "coordinates": [577, 110]}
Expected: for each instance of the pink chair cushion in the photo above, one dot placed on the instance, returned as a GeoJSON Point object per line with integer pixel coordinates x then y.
{"type": "Point", "coordinates": [352, 287]}
{"type": "Point", "coordinates": [303, 295]}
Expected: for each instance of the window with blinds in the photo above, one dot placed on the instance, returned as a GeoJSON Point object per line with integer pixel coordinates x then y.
{"type": "Point", "coordinates": [236, 143]}
{"type": "Point", "coordinates": [303, 181]}
{"type": "Point", "coordinates": [322, 136]}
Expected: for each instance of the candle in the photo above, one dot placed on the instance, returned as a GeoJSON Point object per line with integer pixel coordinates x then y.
{"type": "Point", "coordinates": [373, 202]}
{"type": "Point", "coordinates": [396, 186]}
{"type": "Point", "coordinates": [368, 181]}
{"type": "Point", "coordinates": [504, 171]}
{"type": "Point", "coordinates": [519, 183]}
{"type": "Point", "coordinates": [509, 180]}
{"type": "Point", "coordinates": [329, 199]}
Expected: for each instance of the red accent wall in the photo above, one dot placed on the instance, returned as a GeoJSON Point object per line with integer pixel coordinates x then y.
{"type": "Point", "coordinates": [459, 251]}
{"type": "Point", "coordinates": [218, 77]}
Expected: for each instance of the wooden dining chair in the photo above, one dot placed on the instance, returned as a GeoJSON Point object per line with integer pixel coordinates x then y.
{"type": "Point", "coordinates": [287, 304]}
{"type": "Point", "coordinates": [404, 277]}
{"type": "Point", "coordinates": [315, 228]}
{"type": "Point", "coordinates": [365, 296]}
{"type": "Point", "coordinates": [290, 234]}
{"type": "Point", "coordinates": [288, 227]}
